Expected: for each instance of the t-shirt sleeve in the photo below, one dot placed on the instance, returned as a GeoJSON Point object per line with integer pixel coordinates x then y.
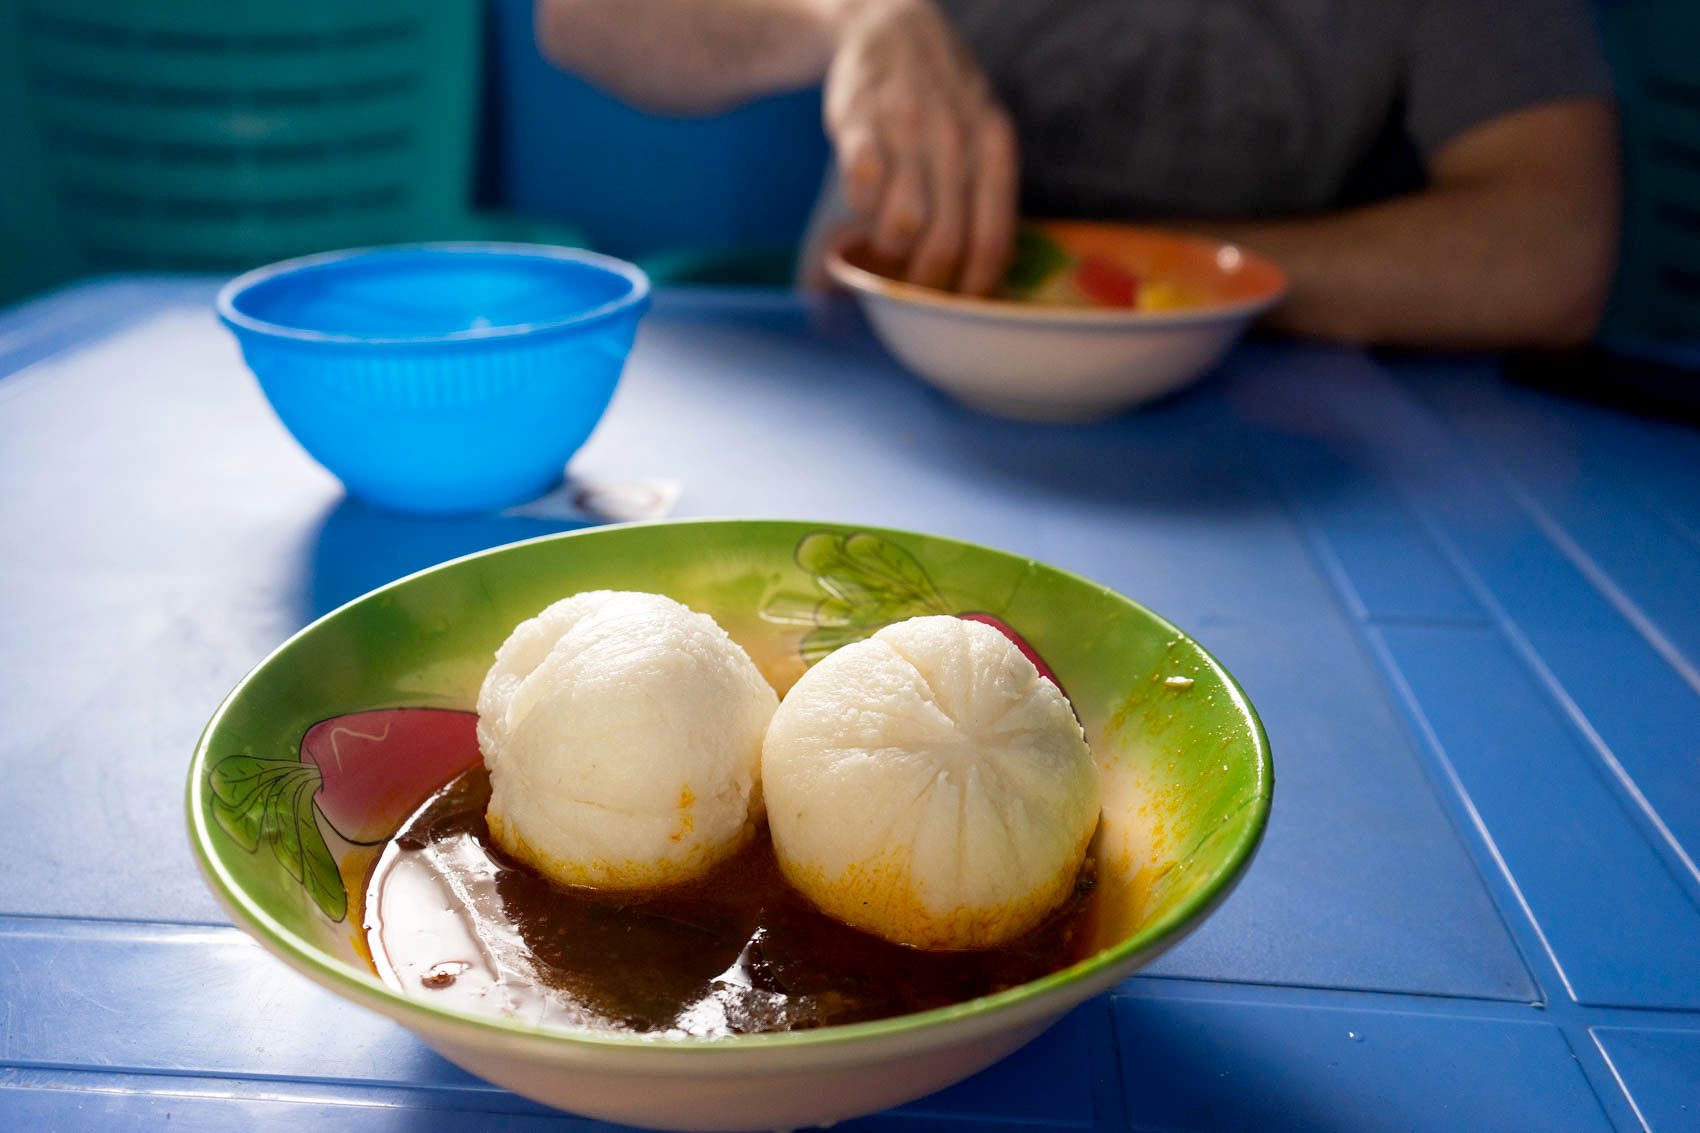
{"type": "Point", "coordinates": [1469, 61]}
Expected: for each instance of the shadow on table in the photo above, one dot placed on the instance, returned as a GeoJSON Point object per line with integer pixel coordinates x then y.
{"type": "Point", "coordinates": [443, 1098]}
{"type": "Point", "coordinates": [1181, 1076]}
{"type": "Point", "coordinates": [359, 547]}
{"type": "Point", "coordinates": [1202, 451]}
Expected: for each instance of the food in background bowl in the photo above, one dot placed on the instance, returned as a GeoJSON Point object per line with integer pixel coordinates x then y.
{"type": "Point", "coordinates": [1091, 320]}
{"type": "Point", "coordinates": [337, 741]}
{"type": "Point", "coordinates": [1043, 270]}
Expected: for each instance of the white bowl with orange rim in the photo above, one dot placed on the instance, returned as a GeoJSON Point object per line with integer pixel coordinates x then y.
{"type": "Point", "coordinates": [1097, 318]}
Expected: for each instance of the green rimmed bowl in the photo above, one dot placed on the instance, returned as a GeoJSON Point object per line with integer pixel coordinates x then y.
{"type": "Point", "coordinates": [322, 751]}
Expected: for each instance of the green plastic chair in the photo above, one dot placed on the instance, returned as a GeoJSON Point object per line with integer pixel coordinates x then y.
{"type": "Point", "coordinates": [34, 253]}
{"type": "Point", "coordinates": [214, 135]}
{"type": "Point", "coordinates": [1655, 307]}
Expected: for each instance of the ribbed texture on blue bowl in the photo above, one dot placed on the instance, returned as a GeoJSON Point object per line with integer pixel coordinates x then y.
{"type": "Point", "coordinates": [445, 426]}
{"type": "Point", "coordinates": [469, 378]}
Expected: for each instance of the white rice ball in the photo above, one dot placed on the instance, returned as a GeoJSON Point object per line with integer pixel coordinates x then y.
{"type": "Point", "coordinates": [623, 733]}
{"type": "Point", "coordinates": [927, 785]}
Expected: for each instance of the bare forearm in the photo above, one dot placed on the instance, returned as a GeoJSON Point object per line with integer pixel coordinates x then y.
{"type": "Point", "coordinates": [1446, 268]}
{"type": "Point", "coordinates": [1513, 246]}
{"type": "Point", "coordinates": [690, 56]}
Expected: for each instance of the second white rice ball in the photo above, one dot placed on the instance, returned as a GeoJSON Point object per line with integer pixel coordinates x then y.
{"type": "Point", "coordinates": [927, 785]}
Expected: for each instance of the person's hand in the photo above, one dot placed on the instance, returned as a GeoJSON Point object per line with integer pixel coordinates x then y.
{"type": "Point", "coordinates": [926, 156]}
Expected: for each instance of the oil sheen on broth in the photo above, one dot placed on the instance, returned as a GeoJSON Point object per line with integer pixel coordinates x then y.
{"type": "Point", "coordinates": [447, 914]}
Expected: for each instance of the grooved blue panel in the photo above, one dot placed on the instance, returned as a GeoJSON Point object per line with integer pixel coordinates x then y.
{"type": "Point", "coordinates": [1609, 495]}
{"type": "Point", "coordinates": [1647, 717]}
{"type": "Point", "coordinates": [182, 999]}
{"type": "Point", "coordinates": [1343, 530]}
{"type": "Point", "coordinates": [1199, 1064]}
{"type": "Point", "coordinates": [173, 603]}
{"type": "Point", "coordinates": [1644, 712]}
{"type": "Point", "coordinates": [1062, 1061]}
{"type": "Point", "coordinates": [1374, 548]}
{"type": "Point", "coordinates": [153, 566]}
{"type": "Point", "coordinates": [1599, 892]}
{"type": "Point", "coordinates": [1169, 506]}
{"type": "Point", "coordinates": [42, 327]}
{"type": "Point", "coordinates": [1333, 478]}
{"type": "Point", "coordinates": [1391, 565]}
{"type": "Point", "coordinates": [1660, 1070]}
{"type": "Point", "coordinates": [90, 993]}
{"type": "Point", "coordinates": [55, 1099]}
{"type": "Point", "coordinates": [1332, 900]}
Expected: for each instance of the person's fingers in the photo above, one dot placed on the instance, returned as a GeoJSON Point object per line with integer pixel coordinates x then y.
{"type": "Point", "coordinates": [992, 205]}
{"type": "Point", "coordinates": [862, 166]}
{"type": "Point", "coordinates": [847, 114]}
{"type": "Point", "coordinates": [938, 251]}
{"type": "Point", "coordinates": [848, 78]}
{"type": "Point", "coordinates": [904, 101]}
{"type": "Point", "coordinates": [903, 207]}
{"type": "Point", "coordinates": [901, 212]}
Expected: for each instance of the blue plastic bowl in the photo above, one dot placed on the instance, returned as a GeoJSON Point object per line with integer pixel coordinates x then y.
{"type": "Point", "coordinates": [439, 378]}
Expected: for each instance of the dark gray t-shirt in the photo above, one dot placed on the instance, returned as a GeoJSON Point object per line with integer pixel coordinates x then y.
{"type": "Point", "coordinates": [1131, 108]}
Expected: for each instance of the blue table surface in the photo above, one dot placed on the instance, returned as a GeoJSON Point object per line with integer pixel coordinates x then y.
{"type": "Point", "coordinates": [1468, 613]}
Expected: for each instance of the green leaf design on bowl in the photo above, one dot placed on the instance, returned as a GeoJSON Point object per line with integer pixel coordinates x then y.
{"type": "Point", "coordinates": [870, 582]}
{"type": "Point", "coordinates": [270, 801]}
{"type": "Point", "coordinates": [355, 776]}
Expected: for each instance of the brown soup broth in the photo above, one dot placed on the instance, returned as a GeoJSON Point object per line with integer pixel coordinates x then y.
{"type": "Point", "coordinates": [447, 913]}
